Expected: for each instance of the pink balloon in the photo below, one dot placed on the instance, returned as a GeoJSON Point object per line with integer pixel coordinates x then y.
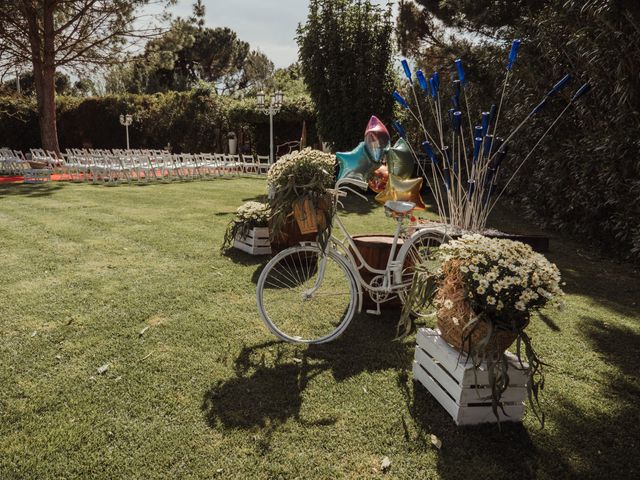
{"type": "Point", "coordinates": [376, 138]}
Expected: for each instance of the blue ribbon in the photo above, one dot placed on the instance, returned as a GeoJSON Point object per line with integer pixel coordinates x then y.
{"type": "Point", "coordinates": [456, 121]}
{"type": "Point", "coordinates": [434, 87]}
{"type": "Point", "coordinates": [460, 70]}
{"type": "Point", "coordinates": [400, 100]}
{"type": "Point", "coordinates": [486, 119]}
{"type": "Point", "coordinates": [492, 113]}
{"type": "Point", "coordinates": [584, 89]}
{"type": "Point", "coordinates": [513, 54]}
{"type": "Point", "coordinates": [422, 81]}
{"type": "Point", "coordinates": [407, 70]}
{"type": "Point", "coordinates": [426, 146]}
{"type": "Point", "coordinates": [399, 128]}
{"type": "Point", "coordinates": [487, 144]}
{"type": "Point", "coordinates": [477, 142]}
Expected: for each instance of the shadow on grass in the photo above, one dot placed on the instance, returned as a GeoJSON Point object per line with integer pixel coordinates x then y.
{"type": "Point", "coordinates": [242, 258]}
{"type": "Point", "coordinates": [256, 198]}
{"type": "Point", "coordinates": [587, 440]}
{"type": "Point", "coordinates": [480, 451]}
{"type": "Point", "coordinates": [595, 438]}
{"type": "Point", "coordinates": [270, 378]}
{"type": "Point", "coordinates": [30, 190]}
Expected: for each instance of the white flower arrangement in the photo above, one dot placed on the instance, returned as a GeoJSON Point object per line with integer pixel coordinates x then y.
{"type": "Point", "coordinates": [504, 278]}
{"type": "Point", "coordinates": [304, 167]}
{"type": "Point", "coordinates": [249, 215]}
{"type": "Point", "coordinates": [302, 178]}
{"type": "Point", "coordinates": [255, 214]}
{"type": "Point", "coordinates": [485, 291]}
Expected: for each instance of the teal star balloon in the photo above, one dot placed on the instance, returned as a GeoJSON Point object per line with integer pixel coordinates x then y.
{"type": "Point", "coordinates": [356, 164]}
{"type": "Point", "coordinates": [400, 160]}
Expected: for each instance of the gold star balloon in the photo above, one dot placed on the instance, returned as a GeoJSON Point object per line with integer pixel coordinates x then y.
{"type": "Point", "coordinates": [400, 160]}
{"type": "Point", "coordinates": [356, 164]}
{"type": "Point", "coordinates": [404, 190]}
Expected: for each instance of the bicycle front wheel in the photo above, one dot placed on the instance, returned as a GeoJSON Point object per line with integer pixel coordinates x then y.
{"type": "Point", "coordinates": [307, 296]}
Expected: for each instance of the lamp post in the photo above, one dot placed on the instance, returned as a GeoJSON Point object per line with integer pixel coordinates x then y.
{"type": "Point", "coordinates": [274, 107]}
{"type": "Point", "coordinates": [125, 121]}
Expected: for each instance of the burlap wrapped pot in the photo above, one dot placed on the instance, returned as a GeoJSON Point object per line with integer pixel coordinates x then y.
{"type": "Point", "coordinates": [452, 321]}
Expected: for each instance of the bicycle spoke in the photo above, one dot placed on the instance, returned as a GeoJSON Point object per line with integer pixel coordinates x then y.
{"type": "Point", "coordinates": [298, 304]}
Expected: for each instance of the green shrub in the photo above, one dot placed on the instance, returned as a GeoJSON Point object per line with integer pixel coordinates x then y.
{"type": "Point", "coordinates": [194, 121]}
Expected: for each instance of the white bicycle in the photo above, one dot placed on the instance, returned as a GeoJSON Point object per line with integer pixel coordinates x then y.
{"type": "Point", "coordinates": [307, 294]}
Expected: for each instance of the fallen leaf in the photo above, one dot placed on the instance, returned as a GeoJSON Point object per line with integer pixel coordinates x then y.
{"type": "Point", "coordinates": [385, 464]}
{"type": "Point", "coordinates": [435, 441]}
{"type": "Point", "coordinates": [146, 356]}
{"type": "Point", "coordinates": [103, 368]}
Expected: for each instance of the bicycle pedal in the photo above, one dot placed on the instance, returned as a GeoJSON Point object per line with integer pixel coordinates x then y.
{"type": "Point", "coordinates": [373, 312]}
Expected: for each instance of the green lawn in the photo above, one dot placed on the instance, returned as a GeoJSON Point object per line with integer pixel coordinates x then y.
{"type": "Point", "coordinates": [207, 393]}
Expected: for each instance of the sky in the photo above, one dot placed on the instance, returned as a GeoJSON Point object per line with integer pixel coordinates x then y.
{"type": "Point", "coordinates": [268, 25]}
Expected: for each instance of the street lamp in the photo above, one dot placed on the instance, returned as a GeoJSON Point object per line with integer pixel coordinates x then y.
{"type": "Point", "coordinates": [274, 107]}
{"type": "Point", "coordinates": [125, 121]}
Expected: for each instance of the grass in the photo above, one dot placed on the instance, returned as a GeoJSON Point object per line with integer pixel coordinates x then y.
{"type": "Point", "coordinates": [206, 392]}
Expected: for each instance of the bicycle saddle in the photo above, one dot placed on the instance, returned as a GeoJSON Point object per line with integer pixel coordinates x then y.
{"type": "Point", "coordinates": [401, 208]}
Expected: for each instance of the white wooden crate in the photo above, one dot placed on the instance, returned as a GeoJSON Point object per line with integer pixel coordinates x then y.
{"type": "Point", "coordinates": [256, 242]}
{"type": "Point", "coordinates": [442, 370]}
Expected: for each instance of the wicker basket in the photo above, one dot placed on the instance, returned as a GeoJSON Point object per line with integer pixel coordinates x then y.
{"type": "Point", "coordinates": [308, 218]}
{"type": "Point", "coordinates": [452, 321]}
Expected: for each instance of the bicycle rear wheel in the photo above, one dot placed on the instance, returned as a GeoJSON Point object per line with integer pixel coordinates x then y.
{"type": "Point", "coordinates": [307, 296]}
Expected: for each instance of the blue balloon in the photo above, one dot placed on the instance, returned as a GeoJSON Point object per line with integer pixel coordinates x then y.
{"type": "Point", "coordinates": [356, 164]}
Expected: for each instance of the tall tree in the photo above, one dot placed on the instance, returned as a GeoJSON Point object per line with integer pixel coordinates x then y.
{"type": "Point", "coordinates": [345, 50]}
{"type": "Point", "coordinates": [188, 53]}
{"type": "Point", "coordinates": [50, 34]}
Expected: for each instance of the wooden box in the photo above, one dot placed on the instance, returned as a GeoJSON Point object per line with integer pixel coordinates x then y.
{"type": "Point", "coordinates": [255, 243]}
{"type": "Point", "coordinates": [442, 370]}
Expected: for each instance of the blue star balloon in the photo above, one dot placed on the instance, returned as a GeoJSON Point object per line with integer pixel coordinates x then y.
{"type": "Point", "coordinates": [356, 164]}
{"type": "Point", "coordinates": [400, 160]}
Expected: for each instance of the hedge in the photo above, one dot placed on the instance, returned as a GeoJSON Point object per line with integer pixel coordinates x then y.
{"type": "Point", "coordinates": [194, 121]}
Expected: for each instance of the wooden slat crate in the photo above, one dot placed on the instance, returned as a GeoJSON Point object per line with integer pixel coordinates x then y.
{"type": "Point", "coordinates": [255, 243]}
{"type": "Point", "coordinates": [442, 370]}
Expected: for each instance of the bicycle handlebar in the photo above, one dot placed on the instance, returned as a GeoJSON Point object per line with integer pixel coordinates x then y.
{"type": "Point", "coordinates": [351, 181]}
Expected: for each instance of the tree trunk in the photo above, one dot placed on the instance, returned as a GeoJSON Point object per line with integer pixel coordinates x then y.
{"type": "Point", "coordinates": [47, 105]}
{"type": "Point", "coordinates": [47, 110]}
{"type": "Point", "coordinates": [44, 71]}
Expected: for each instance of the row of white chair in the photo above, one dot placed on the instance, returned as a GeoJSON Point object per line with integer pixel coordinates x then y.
{"type": "Point", "coordinates": [127, 166]}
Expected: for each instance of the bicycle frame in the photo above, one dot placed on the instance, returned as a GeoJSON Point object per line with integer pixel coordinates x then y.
{"type": "Point", "coordinates": [347, 247]}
